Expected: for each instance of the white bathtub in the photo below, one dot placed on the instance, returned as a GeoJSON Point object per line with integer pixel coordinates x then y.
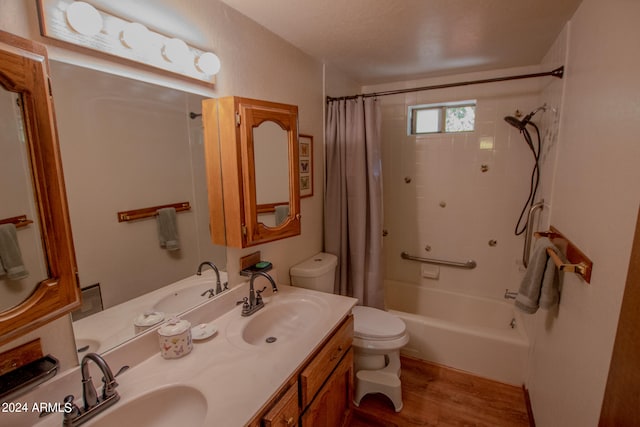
{"type": "Point", "coordinates": [473, 334]}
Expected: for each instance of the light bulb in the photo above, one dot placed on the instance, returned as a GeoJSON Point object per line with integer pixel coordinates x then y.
{"type": "Point", "coordinates": [135, 36]}
{"type": "Point", "coordinates": [175, 51]}
{"type": "Point", "coordinates": [208, 63]}
{"type": "Point", "coordinates": [84, 18]}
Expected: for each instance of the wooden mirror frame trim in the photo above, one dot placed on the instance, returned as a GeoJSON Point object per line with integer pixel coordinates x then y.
{"type": "Point", "coordinates": [255, 112]}
{"type": "Point", "coordinates": [24, 68]}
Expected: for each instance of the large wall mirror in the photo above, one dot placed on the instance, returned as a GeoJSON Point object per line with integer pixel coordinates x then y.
{"type": "Point", "coordinates": [129, 145]}
{"type": "Point", "coordinates": [37, 265]}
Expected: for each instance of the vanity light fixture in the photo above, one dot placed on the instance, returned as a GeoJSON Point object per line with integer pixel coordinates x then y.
{"type": "Point", "coordinates": [84, 18]}
{"type": "Point", "coordinates": [82, 24]}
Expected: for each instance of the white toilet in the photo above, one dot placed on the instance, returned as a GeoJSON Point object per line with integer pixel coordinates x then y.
{"type": "Point", "coordinates": [378, 335]}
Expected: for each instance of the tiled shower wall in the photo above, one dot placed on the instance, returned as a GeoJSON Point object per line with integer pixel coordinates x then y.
{"type": "Point", "coordinates": [447, 196]}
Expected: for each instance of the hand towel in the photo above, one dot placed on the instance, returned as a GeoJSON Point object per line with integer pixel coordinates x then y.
{"type": "Point", "coordinates": [282, 212]}
{"type": "Point", "coordinates": [168, 229]}
{"type": "Point", "coordinates": [539, 287]}
{"type": "Point", "coordinates": [10, 256]}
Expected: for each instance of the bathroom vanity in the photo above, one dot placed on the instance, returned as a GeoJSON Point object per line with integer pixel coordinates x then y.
{"type": "Point", "coordinates": [238, 377]}
{"type": "Point", "coordinates": [320, 389]}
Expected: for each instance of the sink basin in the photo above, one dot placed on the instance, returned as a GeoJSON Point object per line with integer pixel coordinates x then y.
{"type": "Point", "coordinates": [171, 406]}
{"type": "Point", "coordinates": [184, 299]}
{"type": "Point", "coordinates": [280, 321]}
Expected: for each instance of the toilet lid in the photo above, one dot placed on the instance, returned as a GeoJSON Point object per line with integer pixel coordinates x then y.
{"type": "Point", "coordinates": [369, 322]}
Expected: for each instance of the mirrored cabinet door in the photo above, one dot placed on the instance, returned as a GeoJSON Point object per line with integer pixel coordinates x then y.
{"type": "Point", "coordinates": [38, 274]}
{"type": "Point", "coordinates": [252, 166]}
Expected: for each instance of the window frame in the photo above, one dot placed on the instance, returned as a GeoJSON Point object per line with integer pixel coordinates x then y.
{"type": "Point", "coordinates": [442, 108]}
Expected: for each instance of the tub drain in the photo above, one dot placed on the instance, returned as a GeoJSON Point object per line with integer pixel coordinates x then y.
{"type": "Point", "coordinates": [271, 339]}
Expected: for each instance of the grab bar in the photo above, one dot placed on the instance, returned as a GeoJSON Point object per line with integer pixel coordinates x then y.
{"type": "Point", "coordinates": [467, 264]}
{"type": "Point", "coordinates": [529, 233]}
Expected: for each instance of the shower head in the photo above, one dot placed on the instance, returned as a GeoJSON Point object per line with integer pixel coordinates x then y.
{"type": "Point", "coordinates": [515, 122]}
{"type": "Point", "coordinates": [521, 124]}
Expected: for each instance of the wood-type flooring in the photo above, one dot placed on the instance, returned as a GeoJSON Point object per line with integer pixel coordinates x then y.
{"type": "Point", "coordinates": [435, 395]}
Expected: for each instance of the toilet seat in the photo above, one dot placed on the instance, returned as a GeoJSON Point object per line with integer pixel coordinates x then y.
{"type": "Point", "coordinates": [378, 331]}
{"type": "Point", "coordinates": [374, 324]}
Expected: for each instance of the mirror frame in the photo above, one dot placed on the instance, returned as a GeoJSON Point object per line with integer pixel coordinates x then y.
{"type": "Point", "coordinates": [24, 69]}
{"type": "Point", "coordinates": [286, 117]}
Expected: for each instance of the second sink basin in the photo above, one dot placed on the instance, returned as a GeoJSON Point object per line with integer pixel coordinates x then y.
{"type": "Point", "coordinates": [282, 319]}
{"type": "Point", "coordinates": [184, 299]}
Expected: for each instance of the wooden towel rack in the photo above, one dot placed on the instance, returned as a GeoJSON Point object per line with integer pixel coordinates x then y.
{"type": "Point", "coordinates": [578, 263]}
{"type": "Point", "coordinates": [19, 221]}
{"type": "Point", "coordinates": [151, 211]}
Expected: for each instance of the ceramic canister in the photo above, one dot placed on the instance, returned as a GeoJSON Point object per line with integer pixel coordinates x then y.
{"type": "Point", "coordinates": [175, 338]}
{"type": "Point", "coordinates": [146, 320]}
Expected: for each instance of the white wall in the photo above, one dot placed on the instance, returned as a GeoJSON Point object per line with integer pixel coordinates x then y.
{"type": "Point", "coordinates": [446, 169]}
{"type": "Point", "coordinates": [255, 64]}
{"type": "Point", "coordinates": [595, 203]}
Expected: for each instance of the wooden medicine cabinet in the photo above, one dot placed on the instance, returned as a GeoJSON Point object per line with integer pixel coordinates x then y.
{"type": "Point", "coordinates": [251, 150]}
{"type": "Point", "coordinates": [33, 194]}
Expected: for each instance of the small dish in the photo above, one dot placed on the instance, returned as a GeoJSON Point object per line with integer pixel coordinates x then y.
{"type": "Point", "coordinates": [203, 331]}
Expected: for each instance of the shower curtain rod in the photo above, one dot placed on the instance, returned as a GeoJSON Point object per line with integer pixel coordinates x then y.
{"type": "Point", "coordinates": [558, 72]}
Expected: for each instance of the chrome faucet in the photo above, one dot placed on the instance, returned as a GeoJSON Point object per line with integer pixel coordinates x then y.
{"type": "Point", "coordinates": [218, 285]}
{"type": "Point", "coordinates": [93, 404]}
{"type": "Point", "coordinates": [254, 302]}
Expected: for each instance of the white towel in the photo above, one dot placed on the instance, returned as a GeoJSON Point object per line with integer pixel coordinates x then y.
{"type": "Point", "coordinates": [11, 262]}
{"type": "Point", "coordinates": [168, 229]}
{"type": "Point", "coordinates": [539, 287]}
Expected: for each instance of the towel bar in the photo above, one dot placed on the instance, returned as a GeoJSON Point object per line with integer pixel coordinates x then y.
{"type": "Point", "coordinates": [578, 263]}
{"type": "Point", "coordinates": [572, 268]}
{"type": "Point", "coordinates": [19, 221]}
{"type": "Point", "coordinates": [152, 211]}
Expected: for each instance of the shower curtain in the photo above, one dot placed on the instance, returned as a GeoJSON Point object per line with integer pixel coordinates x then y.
{"type": "Point", "coordinates": [353, 200]}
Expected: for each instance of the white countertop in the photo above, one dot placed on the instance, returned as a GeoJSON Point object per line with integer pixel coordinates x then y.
{"type": "Point", "coordinates": [235, 378]}
{"type": "Point", "coordinates": [115, 325]}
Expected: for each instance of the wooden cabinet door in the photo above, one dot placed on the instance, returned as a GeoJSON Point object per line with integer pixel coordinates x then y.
{"type": "Point", "coordinates": [285, 412]}
{"type": "Point", "coordinates": [332, 405]}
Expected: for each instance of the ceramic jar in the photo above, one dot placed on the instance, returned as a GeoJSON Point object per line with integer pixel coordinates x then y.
{"type": "Point", "coordinates": [146, 320]}
{"type": "Point", "coordinates": [175, 338]}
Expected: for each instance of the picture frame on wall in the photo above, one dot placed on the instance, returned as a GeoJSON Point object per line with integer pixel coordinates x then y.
{"type": "Point", "coordinates": [305, 143]}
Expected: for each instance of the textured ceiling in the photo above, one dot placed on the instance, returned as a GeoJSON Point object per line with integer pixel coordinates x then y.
{"type": "Point", "coordinates": [376, 41]}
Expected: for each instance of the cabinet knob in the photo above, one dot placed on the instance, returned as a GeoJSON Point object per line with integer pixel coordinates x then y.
{"type": "Point", "coordinates": [290, 421]}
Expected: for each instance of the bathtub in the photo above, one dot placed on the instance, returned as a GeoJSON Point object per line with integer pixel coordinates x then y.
{"type": "Point", "coordinates": [479, 335]}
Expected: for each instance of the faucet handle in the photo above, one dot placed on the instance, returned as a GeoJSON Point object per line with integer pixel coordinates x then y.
{"type": "Point", "coordinates": [225, 286]}
{"type": "Point", "coordinates": [108, 388]}
{"type": "Point", "coordinates": [244, 302]}
{"type": "Point", "coordinates": [259, 296]}
{"type": "Point", "coordinates": [73, 410]}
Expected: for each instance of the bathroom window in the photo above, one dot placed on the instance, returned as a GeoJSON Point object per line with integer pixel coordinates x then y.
{"type": "Point", "coordinates": [442, 118]}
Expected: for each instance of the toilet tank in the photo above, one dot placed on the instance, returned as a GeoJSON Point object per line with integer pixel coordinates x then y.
{"type": "Point", "coordinates": [317, 273]}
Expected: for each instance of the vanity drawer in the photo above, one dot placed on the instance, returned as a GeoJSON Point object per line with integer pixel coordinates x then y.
{"type": "Point", "coordinates": [319, 369]}
{"type": "Point", "coordinates": [285, 412]}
